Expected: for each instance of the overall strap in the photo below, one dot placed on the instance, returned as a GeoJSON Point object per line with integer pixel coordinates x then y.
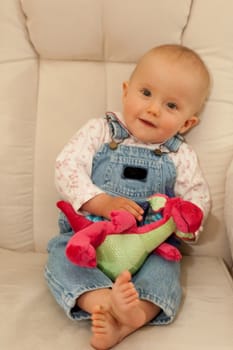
{"type": "Point", "coordinates": [118, 131]}
{"type": "Point", "coordinates": [173, 144]}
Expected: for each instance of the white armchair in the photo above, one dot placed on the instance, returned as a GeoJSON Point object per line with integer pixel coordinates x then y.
{"type": "Point", "coordinates": [63, 62]}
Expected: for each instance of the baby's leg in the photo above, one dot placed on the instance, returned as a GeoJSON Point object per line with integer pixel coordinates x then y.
{"type": "Point", "coordinates": [122, 316]}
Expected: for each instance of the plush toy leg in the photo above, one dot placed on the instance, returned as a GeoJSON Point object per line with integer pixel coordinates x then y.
{"type": "Point", "coordinates": [81, 248]}
{"type": "Point", "coordinates": [82, 253]}
{"type": "Point", "coordinates": [168, 252]}
{"type": "Point", "coordinates": [76, 221]}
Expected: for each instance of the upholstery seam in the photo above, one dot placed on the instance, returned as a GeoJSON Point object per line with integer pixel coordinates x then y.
{"type": "Point", "coordinates": [187, 21]}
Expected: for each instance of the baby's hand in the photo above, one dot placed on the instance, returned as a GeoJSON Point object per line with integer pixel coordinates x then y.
{"type": "Point", "coordinates": [103, 204]}
{"type": "Point", "coordinates": [121, 203]}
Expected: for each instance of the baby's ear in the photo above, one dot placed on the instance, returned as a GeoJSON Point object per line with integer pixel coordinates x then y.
{"type": "Point", "coordinates": [125, 87]}
{"type": "Point", "coordinates": [189, 123]}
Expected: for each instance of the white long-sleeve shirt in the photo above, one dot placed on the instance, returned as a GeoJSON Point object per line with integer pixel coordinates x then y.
{"type": "Point", "coordinates": [74, 166]}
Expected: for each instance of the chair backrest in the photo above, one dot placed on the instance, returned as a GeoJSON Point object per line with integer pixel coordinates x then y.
{"type": "Point", "coordinates": [64, 61]}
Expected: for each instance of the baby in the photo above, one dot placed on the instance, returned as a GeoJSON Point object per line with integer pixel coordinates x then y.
{"type": "Point", "coordinates": [115, 163]}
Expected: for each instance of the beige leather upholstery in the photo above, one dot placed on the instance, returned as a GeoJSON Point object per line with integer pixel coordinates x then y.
{"type": "Point", "coordinates": [61, 63]}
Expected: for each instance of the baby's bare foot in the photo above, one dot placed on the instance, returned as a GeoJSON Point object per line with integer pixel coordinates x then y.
{"type": "Point", "coordinates": [124, 302]}
{"type": "Point", "coordinates": [118, 318]}
{"type": "Point", "coordinates": [106, 330]}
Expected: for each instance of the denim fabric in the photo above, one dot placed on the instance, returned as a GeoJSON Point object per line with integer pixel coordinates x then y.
{"type": "Point", "coordinates": [108, 172]}
{"type": "Point", "coordinates": [136, 173]}
{"type": "Point", "coordinates": [109, 167]}
{"type": "Point", "coordinates": [157, 281]}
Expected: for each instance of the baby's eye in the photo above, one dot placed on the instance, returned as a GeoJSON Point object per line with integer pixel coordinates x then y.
{"type": "Point", "coordinates": [172, 105]}
{"type": "Point", "coordinates": [146, 92]}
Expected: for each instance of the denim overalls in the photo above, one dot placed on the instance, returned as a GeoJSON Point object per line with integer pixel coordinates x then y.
{"type": "Point", "coordinates": [133, 172]}
{"type": "Point", "coordinates": [136, 173]}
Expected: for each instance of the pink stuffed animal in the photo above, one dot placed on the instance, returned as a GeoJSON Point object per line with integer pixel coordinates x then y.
{"type": "Point", "coordinates": [178, 216]}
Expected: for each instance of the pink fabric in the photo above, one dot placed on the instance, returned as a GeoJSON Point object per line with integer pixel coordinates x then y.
{"type": "Point", "coordinates": [81, 249]}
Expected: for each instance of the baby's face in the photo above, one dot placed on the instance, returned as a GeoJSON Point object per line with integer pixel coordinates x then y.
{"type": "Point", "coordinates": [161, 99]}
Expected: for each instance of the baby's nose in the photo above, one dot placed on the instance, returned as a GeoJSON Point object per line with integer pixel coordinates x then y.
{"type": "Point", "coordinates": [154, 109]}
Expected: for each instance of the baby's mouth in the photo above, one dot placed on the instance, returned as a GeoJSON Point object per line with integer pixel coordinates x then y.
{"type": "Point", "coordinates": [147, 123]}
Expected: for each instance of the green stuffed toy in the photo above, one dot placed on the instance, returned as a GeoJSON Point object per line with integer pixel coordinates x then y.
{"type": "Point", "coordinates": [119, 244]}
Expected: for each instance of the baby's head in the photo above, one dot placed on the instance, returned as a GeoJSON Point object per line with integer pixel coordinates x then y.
{"type": "Point", "coordinates": [165, 93]}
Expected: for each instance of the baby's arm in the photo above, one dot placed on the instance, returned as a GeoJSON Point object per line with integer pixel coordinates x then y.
{"type": "Point", "coordinates": [103, 204]}
{"type": "Point", "coordinates": [74, 163]}
{"type": "Point", "coordinates": [190, 183]}
{"type": "Point", "coordinates": [73, 174]}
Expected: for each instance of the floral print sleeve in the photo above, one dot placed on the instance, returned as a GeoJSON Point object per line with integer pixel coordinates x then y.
{"type": "Point", "coordinates": [74, 164]}
{"type": "Point", "coordinates": [190, 183]}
